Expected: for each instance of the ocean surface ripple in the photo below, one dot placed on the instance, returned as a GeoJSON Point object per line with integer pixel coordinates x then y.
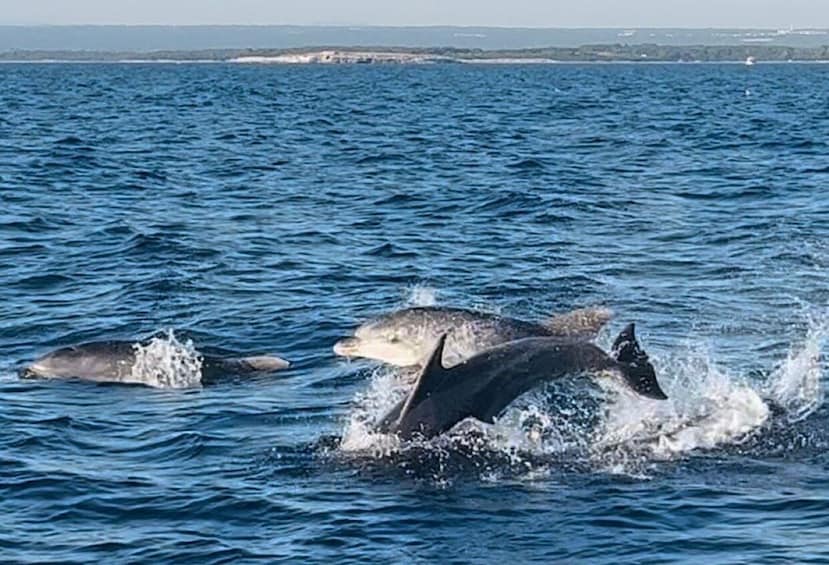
{"type": "Point", "coordinates": [271, 209]}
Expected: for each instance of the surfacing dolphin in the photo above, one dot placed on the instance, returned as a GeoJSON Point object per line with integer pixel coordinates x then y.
{"type": "Point", "coordinates": [484, 385]}
{"type": "Point", "coordinates": [406, 337]}
{"type": "Point", "coordinates": [113, 362]}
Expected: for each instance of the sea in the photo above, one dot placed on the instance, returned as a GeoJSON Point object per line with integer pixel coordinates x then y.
{"type": "Point", "coordinates": [255, 209]}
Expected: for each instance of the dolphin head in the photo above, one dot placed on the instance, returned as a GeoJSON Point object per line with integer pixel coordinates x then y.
{"type": "Point", "coordinates": [62, 362]}
{"type": "Point", "coordinates": [635, 366]}
{"type": "Point", "coordinates": [91, 361]}
{"type": "Point", "coordinates": [397, 338]}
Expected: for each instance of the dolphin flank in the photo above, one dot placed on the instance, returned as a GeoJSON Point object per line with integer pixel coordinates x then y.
{"type": "Point", "coordinates": [406, 337]}
{"type": "Point", "coordinates": [112, 361]}
{"type": "Point", "coordinates": [484, 385]}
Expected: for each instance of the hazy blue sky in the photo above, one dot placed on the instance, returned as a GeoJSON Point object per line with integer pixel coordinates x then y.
{"type": "Point", "coordinates": [532, 13]}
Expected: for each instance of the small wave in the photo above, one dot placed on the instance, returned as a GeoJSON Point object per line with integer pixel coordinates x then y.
{"type": "Point", "coordinates": [43, 282]}
{"type": "Point", "coordinates": [145, 174]}
{"type": "Point", "coordinates": [398, 198]}
{"type": "Point", "coordinates": [509, 204]}
{"type": "Point", "coordinates": [69, 140]}
{"type": "Point", "coordinates": [383, 158]}
{"type": "Point", "coordinates": [390, 251]}
{"type": "Point", "coordinates": [527, 164]}
{"type": "Point", "coordinates": [166, 362]}
{"type": "Point", "coordinates": [36, 224]}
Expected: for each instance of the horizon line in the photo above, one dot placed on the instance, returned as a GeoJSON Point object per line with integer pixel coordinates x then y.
{"type": "Point", "coordinates": [409, 26]}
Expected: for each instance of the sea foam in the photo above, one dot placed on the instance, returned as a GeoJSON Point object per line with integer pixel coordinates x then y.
{"type": "Point", "coordinates": [166, 362]}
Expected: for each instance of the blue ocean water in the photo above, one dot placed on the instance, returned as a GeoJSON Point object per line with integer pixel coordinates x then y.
{"type": "Point", "coordinates": [271, 209]}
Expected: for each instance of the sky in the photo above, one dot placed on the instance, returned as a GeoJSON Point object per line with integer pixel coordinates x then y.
{"type": "Point", "coordinates": [775, 14]}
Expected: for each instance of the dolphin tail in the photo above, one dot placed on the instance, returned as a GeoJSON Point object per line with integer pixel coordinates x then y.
{"type": "Point", "coordinates": [582, 323]}
{"type": "Point", "coordinates": [255, 364]}
{"type": "Point", "coordinates": [428, 380]}
{"type": "Point", "coordinates": [214, 369]}
{"type": "Point", "coordinates": [265, 363]}
{"type": "Point", "coordinates": [635, 365]}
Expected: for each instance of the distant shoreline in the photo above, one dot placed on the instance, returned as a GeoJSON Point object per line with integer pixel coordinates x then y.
{"type": "Point", "coordinates": [158, 38]}
{"type": "Point", "coordinates": [615, 53]}
{"type": "Point", "coordinates": [479, 62]}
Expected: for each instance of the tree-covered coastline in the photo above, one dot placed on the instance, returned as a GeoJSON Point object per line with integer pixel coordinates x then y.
{"type": "Point", "coordinates": [585, 53]}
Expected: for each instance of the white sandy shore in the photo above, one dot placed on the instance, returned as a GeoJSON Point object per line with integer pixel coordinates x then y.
{"type": "Point", "coordinates": [335, 57]}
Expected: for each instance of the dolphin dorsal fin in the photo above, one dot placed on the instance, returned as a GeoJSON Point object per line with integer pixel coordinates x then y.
{"type": "Point", "coordinates": [625, 348]}
{"type": "Point", "coordinates": [582, 323]}
{"type": "Point", "coordinates": [429, 378]}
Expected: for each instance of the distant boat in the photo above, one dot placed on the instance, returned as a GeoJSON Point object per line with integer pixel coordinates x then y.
{"type": "Point", "coordinates": [750, 60]}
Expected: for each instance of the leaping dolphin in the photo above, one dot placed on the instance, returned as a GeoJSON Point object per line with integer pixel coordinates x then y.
{"type": "Point", "coordinates": [406, 337]}
{"type": "Point", "coordinates": [112, 361]}
{"type": "Point", "coordinates": [484, 385]}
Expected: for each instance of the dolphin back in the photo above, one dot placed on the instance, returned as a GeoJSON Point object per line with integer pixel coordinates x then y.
{"type": "Point", "coordinates": [583, 323]}
{"type": "Point", "coordinates": [214, 368]}
{"type": "Point", "coordinates": [257, 364]}
{"type": "Point", "coordinates": [484, 385]}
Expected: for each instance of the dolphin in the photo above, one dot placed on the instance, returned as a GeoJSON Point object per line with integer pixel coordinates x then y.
{"type": "Point", "coordinates": [405, 337]}
{"type": "Point", "coordinates": [484, 385]}
{"type": "Point", "coordinates": [112, 362]}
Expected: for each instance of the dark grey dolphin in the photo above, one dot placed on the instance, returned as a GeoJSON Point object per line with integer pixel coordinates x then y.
{"type": "Point", "coordinates": [406, 337]}
{"type": "Point", "coordinates": [113, 361]}
{"type": "Point", "coordinates": [484, 385]}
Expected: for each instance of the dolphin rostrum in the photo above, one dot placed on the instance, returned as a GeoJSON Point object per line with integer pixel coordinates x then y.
{"type": "Point", "coordinates": [113, 361]}
{"type": "Point", "coordinates": [406, 337]}
{"type": "Point", "coordinates": [484, 385]}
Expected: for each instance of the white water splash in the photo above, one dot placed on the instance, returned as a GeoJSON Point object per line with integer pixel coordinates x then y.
{"type": "Point", "coordinates": [387, 388]}
{"type": "Point", "coordinates": [709, 406]}
{"type": "Point", "coordinates": [795, 385]}
{"type": "Point", "coordinates": [166, 362]}
{"type": "Point", "coordinates": [706, 407]}
{"type": "Point", "coordinates": [421, 295]}
{"type": "Point", "coordinates": [530, 425]}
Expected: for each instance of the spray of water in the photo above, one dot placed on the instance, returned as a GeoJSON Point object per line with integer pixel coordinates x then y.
{"type": "Point", "coordinates": [387, 388]}
{"type": "Point", "coordinates": [166, 362]}
{"type": "Point", "coordinates": [707, 407]}
{"type": "Point", "coordinates": [796, 384]}
{"type": "Point", "coordinates": [421, 295]}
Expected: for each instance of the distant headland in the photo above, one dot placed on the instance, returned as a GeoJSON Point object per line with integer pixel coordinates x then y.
{"type": "Point", "coordinates": [615, 53]}
{"type": "Point", "coordinates": [410, 45]}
